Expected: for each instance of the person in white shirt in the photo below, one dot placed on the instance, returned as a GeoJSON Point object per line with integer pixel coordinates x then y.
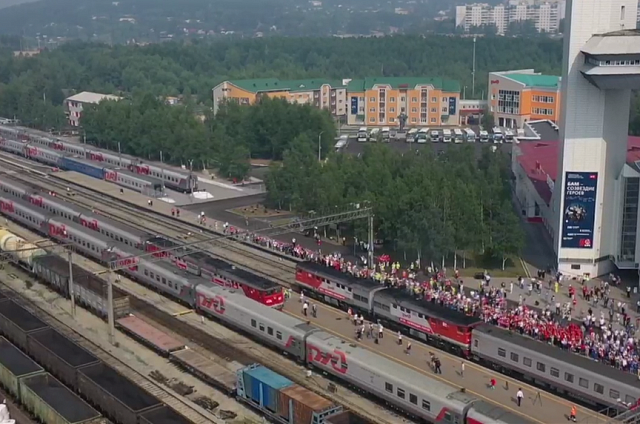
{"type": "Point", "coordinates": [519, 396]}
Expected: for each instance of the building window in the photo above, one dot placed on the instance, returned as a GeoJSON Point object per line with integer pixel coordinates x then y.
{"type": "Point", "coordinates": [414, 120]}
{"type": "Point", "coordinates": [509, 102]}
{"type": "Point", "coordinates": [445, 109]}
{"type": "Point", "coordinates": [372, 99]}
{"type": "Point", "coordinates": [434, 99]}
{"type": "Point", "coordinates": [629, 219]}
{"type": "Point", "coordinates": [434, 110]}
{"type": "Point", "coordinates": [392, 109]}
{"type": "Point", "coordinates": [403, 99]}
{"type": "Point", "coordinates": [414, 100]}
{"type": "Point", "coordinates": [433, 120]}
{"type": "Point", "coordinates": [392, 99]}
{"type": "Point", "coordinates": [444, 100]}
{"type": "Point", "coordinates": [372, 109]}
{"type": "Point", "coordinates": [414, 110]}
{"type": "Point", "coordinates": [372, 119]}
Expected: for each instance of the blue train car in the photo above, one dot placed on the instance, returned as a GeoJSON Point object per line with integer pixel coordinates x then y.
{"type": "Point", "coordinates": [74, 163]}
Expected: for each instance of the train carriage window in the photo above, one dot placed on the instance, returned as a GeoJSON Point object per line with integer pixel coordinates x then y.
{"type": "Point", "coordinates": [541, 367]}
{"type": "Point", "coordinates": [254, 324]}
{"type": "Point", "coordinates": [400, 393]}
{"type": "Point", "coordinates": [568, 377]}
{"type": "Point", "coordinates": [413, 398]}
{"type": "Point", "coordinates": [555, 372]}
{"type": "Point", "coordinates": [526, 361]}
{"type": "Point", "coordinates": [475, 343]}
{"type": "Point", "coordinates": [270, 331]}
{"type": "Point", "coordinates": [614, 394]}
{"type": "Point", "coordinates": [426, 405]}
{"type": "Point", "coordinates": [278, 335]}
{"type": "Point", "coordinates": [448, 417]}
{"type": "Point", "coordinates": [261, 326]}
{"type": "Point", "coordinates": [583, 382]}
{"type": "Point", "coordinates": [388, 387]}
{"type": "Point", "coordinates": [514, 357]}
{"type": "Point", "coordinates": [598, 388]}
{"type": "Point", "coordinates": [502, 353]}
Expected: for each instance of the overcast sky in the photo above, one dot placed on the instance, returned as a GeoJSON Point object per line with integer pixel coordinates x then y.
{"type": "Point", "coordinates": [6, 3]}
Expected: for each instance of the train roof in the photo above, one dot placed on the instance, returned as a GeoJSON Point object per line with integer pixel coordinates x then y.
{"type": "Point", "coordinates": [499, 414]}
{"type": "Point", "coordinates": [540, 348]}
{"type": "Point", "coordinates": [412, 381]}
{"type": "Point", "coordinates": [334, 275]}
{"type": "Point", "coordinates": [404, 298]}
{"type": "Point", "coordinates": [133, 175]}
{"type": "Point", "coordinates": [249, 278]}
{"type": "Point", "coordinates": [87, 214]}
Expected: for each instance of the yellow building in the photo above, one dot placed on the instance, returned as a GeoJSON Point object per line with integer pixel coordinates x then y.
{"type": "Point", "coordinates": [424, 101]}
{"type": "Point", "coordinates": [327, 94]}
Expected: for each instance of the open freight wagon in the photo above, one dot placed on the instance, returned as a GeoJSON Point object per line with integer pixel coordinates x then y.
{"type": "Point", "coordinates": [281, 399]}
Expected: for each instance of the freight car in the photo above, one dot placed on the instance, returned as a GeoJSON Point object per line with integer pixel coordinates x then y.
{"type": "Point", "coordinates": [149, 335]}
{"type": "Point", "coordinates": [21, 251]}
{"type": "Point", "coordinates": [16, 323]}
{"type": "Point", "coordinates": [187, 259]}
{"type": "Point", "coordinates": [14, 366]}
{"type": "Point", "coordinates": [90, 291]}
{"type": "Point", "coordinates": [114, 394]}
{"type": "Point", "coordinates": [16, 140]}
{"type": "Point", "coordinates": [50, 401]}
{"type": "Point", "coordinates": [206, 370]}
{"type": "Point", "coordinates": [163, 415]}
{"type": "Point", "coordinates": [280, 399]}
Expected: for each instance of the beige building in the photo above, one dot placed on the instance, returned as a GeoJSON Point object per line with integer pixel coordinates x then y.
{"type": "Point", "coordinates": [321, 93]}
{"type": "Point", "coordinates": [74, 104]}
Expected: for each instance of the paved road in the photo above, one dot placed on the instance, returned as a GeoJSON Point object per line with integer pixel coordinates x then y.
{"type": "Point", "coordinates": [538, 406]}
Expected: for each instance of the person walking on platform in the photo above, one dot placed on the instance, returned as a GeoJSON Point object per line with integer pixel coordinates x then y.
{"type": "Point", "coordinates": [437, 365]}
{"type": "Point", "coordinates": [305, 306]}
{"type": "Point", "coordinates": [380, 331]}
{"type": "Point", "coordinates": [492, 384]}
{"type": "Point", "coordinates": [573, 413]}
{"type": "Point", "coordinates": [314, 310]}
{"type": "Point", "coordinates": [399, 338]}
{"type": "Point", "coordinates": [462, 369]}
{"type": "Point", "coordinates": [519, 396]}
{"type": "Point", "coordinates": [408, 349]}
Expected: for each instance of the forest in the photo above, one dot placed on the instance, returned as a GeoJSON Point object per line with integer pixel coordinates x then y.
{"type": "Point", "coordinates": [425, 205]}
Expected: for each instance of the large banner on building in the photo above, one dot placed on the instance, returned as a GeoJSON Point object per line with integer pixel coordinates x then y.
{"type": "Point", "coordinates": [354, 105]}
{"type": "Point", "coordinates": [452, 105]}
{"type": "Point", "coordinates": [579, 209]}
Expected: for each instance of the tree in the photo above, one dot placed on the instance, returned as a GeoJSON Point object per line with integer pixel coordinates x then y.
{"type": "Point", "coordinates": [508, 236]}
{"type": "Point", "coordinates": [488, 120]}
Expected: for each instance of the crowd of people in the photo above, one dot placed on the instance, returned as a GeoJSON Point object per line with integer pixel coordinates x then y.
{"type": "Point", "coordinates": [609, 340]}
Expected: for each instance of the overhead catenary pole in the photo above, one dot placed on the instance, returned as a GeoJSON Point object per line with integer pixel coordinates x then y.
{"type": "Point", "coordinates": [72, 294]}
{"type": "Point", "coordinates": [112, 330]}
{"type": "Point", "coordinates": [320, 146]}
{"type": "Point", "coordinates": [473, 71]}
{"type": "Point", "coordinates": [370, 260]}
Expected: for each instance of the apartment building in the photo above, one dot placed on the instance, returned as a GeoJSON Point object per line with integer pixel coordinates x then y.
{"type": "Point", "coordinates": [327, 94]}
{"type": "Point", "coordinates": [545, 15]}
{"type": "Point", "coordinates": [424, 101]}
{"type": "Point", "coordinates": [516, 97]}
{"type": "Point", "coordinates": [74, 104]}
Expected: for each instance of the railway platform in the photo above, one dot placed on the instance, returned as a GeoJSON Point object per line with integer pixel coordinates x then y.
{"type": "Point", "coordinates": [538, 406]}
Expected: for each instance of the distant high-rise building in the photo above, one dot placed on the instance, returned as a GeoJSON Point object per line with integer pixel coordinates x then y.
{"type": "Point", "coordinates": [545, 15]}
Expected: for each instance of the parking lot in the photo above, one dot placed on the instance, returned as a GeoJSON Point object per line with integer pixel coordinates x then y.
{"type": "Point", "coordinates": [398, 142]}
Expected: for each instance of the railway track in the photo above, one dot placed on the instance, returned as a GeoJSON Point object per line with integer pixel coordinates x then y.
{"type": "Point", "coordinates": [281, 272]}
{"type": "Point", "coordinates": [273, 266]}
{"type": "Point", "coordinates": [170, 399]}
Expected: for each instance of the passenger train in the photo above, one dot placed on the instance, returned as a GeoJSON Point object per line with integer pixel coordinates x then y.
{"type": "Point", "coordinates": [535, 362]}
{"type": "Point", "coordinates": [420, 396]}
{"type": "Point", "coordinates": [185, 259]}
{"type": "Point", "coordinates": [45, 149]}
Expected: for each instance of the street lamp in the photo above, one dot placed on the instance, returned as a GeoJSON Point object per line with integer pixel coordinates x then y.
{"type": "Point", "coordinates": [320, 146]}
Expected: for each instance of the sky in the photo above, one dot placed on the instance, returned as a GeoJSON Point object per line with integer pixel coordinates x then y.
{"type": "Point", "coordinates": [7, 3]}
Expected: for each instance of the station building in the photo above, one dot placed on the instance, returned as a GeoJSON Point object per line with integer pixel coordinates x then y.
{"type": "Point", "coordinates": [424, 101]}
{"type": "Point", "coordinates": [366, 102]}
{"type": "Point", "coordinates": [516, 97]}
{"type": "Point", "coordinates": [321, 93]}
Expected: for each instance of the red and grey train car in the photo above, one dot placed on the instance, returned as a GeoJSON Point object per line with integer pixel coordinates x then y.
{"type": "Point", "coordinates": [395, 308]}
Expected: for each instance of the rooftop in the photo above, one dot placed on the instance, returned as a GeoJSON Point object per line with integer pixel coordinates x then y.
{"type": "Point", "coordinates": [274, 84]}
{"type": "Point", "coordinates": [539, 159]}
{"type": "Point", "coordinates": [404, 82]}
{"type": "Point", "coordinates": [614, 43]}
{"type": "Point", "coordinates": [536, 80]}
{"type": "Point", "coordinates": [89, 97]}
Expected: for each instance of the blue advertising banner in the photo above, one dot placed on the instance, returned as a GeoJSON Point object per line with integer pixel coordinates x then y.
{"type": "Point", "coordinates": [579, 209]}
{"type": "Point", "coordinates": [452, 105]}
{"type": "Point", "coordinates": [354, 105]}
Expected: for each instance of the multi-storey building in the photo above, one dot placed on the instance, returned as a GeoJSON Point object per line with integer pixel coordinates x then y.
{"type": "Point", "coordinates": [516, 97]}
{"type": "Point", "coordinates": [545, 15]}
{"type": "Point", "coordinates": [423, 101]}
{"type": "Point", "coordinates": [74, 104]}
{"type": "Point", "coordinates": [327, 94]}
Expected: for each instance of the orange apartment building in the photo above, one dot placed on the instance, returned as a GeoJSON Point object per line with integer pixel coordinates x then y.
{"type": "Point", "coordinates": [328, 94]}
{"type": "Point", "coordinates": [516, 97]}
{"type": "Point", "coordinates": [424, 101]}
